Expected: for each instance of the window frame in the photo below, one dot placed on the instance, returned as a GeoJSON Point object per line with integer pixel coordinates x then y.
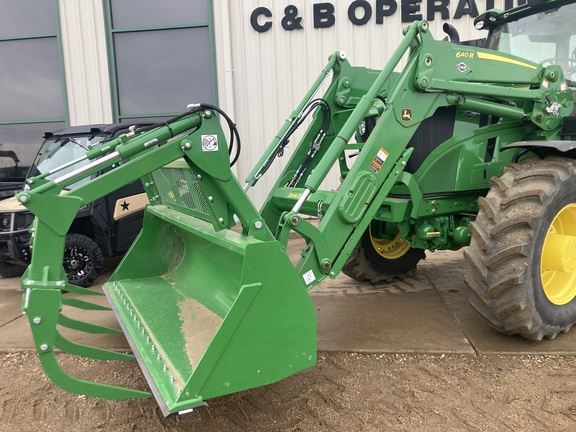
{"type": "Point", "coordinates": [58, 37]}
{"type": "Point", "coordinates": [111, 51]}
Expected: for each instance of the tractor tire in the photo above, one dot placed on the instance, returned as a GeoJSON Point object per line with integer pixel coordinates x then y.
{"type": "Point", "coordinates": [9, 270]}
{"type": "Point", "coordinates": [378, 260]}
{"type": "Point", "coordinates": [522, 255]}
{"type": "Point", "coordinates": [82, 260]}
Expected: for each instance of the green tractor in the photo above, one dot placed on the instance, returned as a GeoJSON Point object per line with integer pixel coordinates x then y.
{"type": "Point", "coordinates": [471, 144]}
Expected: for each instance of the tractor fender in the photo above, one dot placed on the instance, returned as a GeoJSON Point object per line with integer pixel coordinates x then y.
{"type": "Point", "coordinates": [560, 145]}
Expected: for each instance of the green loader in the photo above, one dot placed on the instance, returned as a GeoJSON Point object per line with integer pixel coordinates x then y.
{"type": "Point", "coordinates": [472, 144]}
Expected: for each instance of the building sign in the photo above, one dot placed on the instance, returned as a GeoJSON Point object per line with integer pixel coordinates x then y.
{"type": "Point", "coordinates": [361, 12]}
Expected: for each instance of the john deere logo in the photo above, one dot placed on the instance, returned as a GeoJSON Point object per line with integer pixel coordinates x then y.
{"type": "Point", "coordinates": [406, 114]}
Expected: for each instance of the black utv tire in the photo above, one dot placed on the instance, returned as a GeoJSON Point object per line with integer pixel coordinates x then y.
{"type": "Point", "coordinates": [522, 255]}
{"type": "Point", "coordinates": [82, 260]}
{"type": "Point", "coordinates": [9, 270]}
{"type": "Point", "coordinates": [367, 264]}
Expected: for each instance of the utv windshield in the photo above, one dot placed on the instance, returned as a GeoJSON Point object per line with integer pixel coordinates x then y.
{"type": "Point", "coordinates": [58, 151]}
{"type": "Point", "coordinates": [547, 37]}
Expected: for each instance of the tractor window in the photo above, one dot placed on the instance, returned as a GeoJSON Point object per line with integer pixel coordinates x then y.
{"type": "Point", "coordinates": [522, 46]}
{"type": "Point", "coordinates": [546, 37]}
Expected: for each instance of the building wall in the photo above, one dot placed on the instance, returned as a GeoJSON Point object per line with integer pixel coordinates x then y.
{"type": "Point", "coordinates": [85, 61]}
{"type": "Point", "coordinates": [261, 76]}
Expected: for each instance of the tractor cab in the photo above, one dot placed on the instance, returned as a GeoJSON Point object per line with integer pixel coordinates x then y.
{"type": "Point", "coordinates": [539, 33]}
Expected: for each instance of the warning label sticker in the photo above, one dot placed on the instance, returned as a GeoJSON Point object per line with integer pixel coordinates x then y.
{"type": "Point", "coordinates": [209, 143]}
{"type": "Point", "coordinates": [379, 160]}
{"type": "Point", "coordinates": [309, 277]}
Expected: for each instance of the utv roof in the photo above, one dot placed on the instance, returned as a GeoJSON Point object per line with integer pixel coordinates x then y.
{"type": "Point", "coordinates": [104, 128]}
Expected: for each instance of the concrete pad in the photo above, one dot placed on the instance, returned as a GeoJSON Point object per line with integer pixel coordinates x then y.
{"type": "Point", "coordinates": [102, 318]}
{"type": "Point", "coordinates": [10, 300]}
{"type": "Point", "coordinates": [406, 316]}
{"type": "Point", "coordinates": [387, 323]}
{"type": "Point", "coordinates": [15, 333]}
{"type": "Point", "coordinates": [427, 313]}
{"type": "Point", "coordinates": [16, 336]}
{"type": "Point", "coordinates": [445, 270]}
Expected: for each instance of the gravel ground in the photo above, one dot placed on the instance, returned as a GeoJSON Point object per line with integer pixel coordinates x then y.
{"type": "Point", "coordinates": [343, 392]}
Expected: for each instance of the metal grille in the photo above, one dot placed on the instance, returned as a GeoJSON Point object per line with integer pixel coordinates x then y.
{"type": "Point", "coordinates": [179, 187]}
{"type": "Point", "coordinates": [23, 220]}
{"type": "Point", "coordinates": [17, 221]}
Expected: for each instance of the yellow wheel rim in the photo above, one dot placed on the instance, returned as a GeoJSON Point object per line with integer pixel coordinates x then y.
{"type": "Point", "coordinates": [558, 260]}
{"type": "Point", "coordinates": [390, 249]}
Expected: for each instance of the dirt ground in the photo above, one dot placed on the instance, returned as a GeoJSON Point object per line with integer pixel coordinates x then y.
{"type": "Point", "coordinates": [343, 392]}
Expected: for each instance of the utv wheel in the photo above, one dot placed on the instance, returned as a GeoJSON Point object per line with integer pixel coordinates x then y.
{"type": "Point", "coordinates": [82, 260]}
{"type": "Point", "coordinates": [380, 258]}
{"type": "Point", "coordinates": [9, 270]}
{"type": "Point", "coordinates": [523, 251]}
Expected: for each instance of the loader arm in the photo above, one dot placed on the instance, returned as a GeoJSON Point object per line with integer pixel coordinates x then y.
{"type": "Point", "coordinates": [438, 74]}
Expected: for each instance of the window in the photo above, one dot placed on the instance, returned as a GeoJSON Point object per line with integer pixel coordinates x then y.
{"type": "Point", "coordinates": [162, 55]}
{"type": "Point", "coordinates": [545, 37]}
{"type": "Point", "coordinates": [31, 91]}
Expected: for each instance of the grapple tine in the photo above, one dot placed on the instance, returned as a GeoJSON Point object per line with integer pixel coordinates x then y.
{"type": "Point", "coordinates": [82, 387]}
{"type": "Point", "coordinates": [88, 351]}
{"type": "Point", "coordinates": [81, 291]}
{"type": "Point", "coordinates": [43, 310]}
{"type": "Point", "coordinates": [81, 304]}
{"type": "Point", "coordinates": [85, 327]}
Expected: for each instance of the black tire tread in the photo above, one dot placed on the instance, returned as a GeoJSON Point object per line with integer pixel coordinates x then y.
{"type": "Point", "coordinates": [90, 246]}
{"type": "Point", "coordinates": [9, 270]}
{"type": "Point", "coordinates": [501, 247]}
{"type": "Point", "coordinates": [363, 266]}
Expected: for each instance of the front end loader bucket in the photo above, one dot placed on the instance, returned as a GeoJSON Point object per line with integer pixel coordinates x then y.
{"type": "Point", "coordinates": [207, 313]}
